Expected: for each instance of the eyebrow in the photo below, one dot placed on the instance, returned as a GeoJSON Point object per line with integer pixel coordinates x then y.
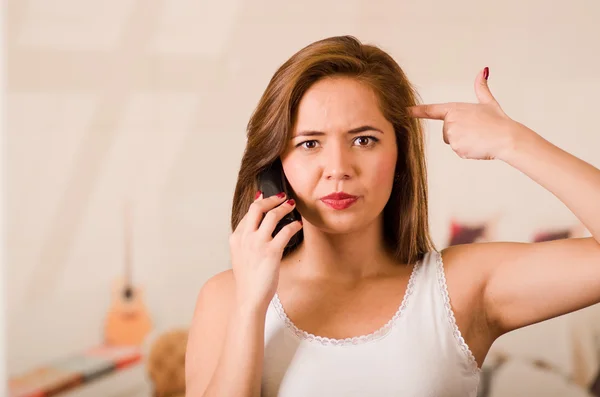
{"type": "Point", "coordinates": [352, 131]}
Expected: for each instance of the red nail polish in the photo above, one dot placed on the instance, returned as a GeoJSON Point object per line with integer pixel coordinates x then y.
{"type": "Point", "coordinates": [257, 195]}
{"type": "Point", "coordinates": [486, 72]}
{"type": "Point", "coordinates": [280, 195]}
{"type": "Point", "coordinates": [291, 202]}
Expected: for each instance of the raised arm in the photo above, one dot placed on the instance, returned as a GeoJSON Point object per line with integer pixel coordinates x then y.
{"type": "Point", "coordinates": [533, 282]}
{"type": "Point", "coordinates": [525, 283]}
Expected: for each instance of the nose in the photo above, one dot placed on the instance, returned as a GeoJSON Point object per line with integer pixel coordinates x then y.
{"type": "Point", "coordinates": [337, 163]}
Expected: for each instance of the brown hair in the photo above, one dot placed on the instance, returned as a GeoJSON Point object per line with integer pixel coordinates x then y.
{"type": "Point", "coordinates": [406, 226]}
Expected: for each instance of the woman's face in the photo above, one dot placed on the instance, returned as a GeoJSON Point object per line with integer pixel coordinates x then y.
{"type": "Point", "coordinates": [341, 143]}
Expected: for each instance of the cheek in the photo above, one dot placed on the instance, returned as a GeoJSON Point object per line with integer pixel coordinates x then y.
{"type": "Point", "coordinates": [296, 174]}
{"type": "Point", "coordinates": [384, 177]}
{"type": "Point", "coordinates": [384, 169]}
{"type": "Point", "coordinates": [297, 182]}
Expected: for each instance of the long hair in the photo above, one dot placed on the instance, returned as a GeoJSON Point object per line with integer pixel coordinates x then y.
{"type": "Point", "coordinates": [406, 226]}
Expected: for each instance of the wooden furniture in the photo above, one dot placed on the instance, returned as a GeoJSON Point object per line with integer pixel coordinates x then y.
{"type": "Point", "coordinates": [76, 372]}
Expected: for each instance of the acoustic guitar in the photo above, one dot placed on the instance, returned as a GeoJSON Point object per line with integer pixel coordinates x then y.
{"type": "Point", "coordinates": [128, 321]}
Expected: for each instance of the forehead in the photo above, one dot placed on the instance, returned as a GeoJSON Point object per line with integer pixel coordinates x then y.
{"type": "Point", "coordinates": [339, 102]}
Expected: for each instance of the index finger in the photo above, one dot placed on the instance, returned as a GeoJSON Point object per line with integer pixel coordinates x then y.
{"type": "Point", "coordinates": [260, 207]}
{"type": "Point", "coordinates": [430, 111]}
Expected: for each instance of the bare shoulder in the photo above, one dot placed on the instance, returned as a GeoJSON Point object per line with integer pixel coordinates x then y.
{"type": "Point", "coordinates": [221, 286]}
{"type": "Point", "coordinates": [214, 300]}
{"type": "Point", "coordinates": [529, 282]}
{"type": "Point", "coordinates": [468, 263]}
{"type": "Point", "coordinates": [207, 331]}
{"type": "Point", "coordinates": [468, 269]}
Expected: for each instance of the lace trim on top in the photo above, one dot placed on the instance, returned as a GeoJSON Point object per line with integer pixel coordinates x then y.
{"type": "Point", "coordinates": [356, 340]}
{"type": "Point", "coordinates": [455, 331]}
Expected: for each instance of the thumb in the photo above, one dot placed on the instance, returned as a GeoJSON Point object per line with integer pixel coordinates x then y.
{"type": "Point", "coordinates": [482, 90]}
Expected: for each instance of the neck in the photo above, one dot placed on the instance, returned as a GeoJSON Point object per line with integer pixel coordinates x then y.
{"type": "Point", "coordinates": [344, 257]}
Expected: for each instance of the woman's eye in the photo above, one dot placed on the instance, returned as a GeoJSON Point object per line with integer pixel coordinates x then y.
{"type": "Point", "coordinates": [366, 140]}
{"type": "Point", "coordinates": [308, 144]}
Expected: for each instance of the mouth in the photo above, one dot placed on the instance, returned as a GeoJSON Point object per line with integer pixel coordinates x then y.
{"type": "Point", "coordinates": [339, 200]}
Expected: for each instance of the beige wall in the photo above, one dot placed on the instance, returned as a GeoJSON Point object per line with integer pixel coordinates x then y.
{"type": "Point", "coordinates": [148, 100]}
{"type": "Point", "coordinates": [3, 281]}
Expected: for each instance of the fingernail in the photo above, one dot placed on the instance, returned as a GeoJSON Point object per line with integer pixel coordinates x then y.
{"type": "Point", "coordinates": [280, 195]}
{"type": "Point", "coordinates": [486, 72]}
{"type": "Point", "coordinates": [257, 195]}
{"type": "Point", "coordinates": [291, 202]}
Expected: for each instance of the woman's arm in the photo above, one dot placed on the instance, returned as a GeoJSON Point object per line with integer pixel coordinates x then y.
{"type": "Point", "coordinates": [225, 351]}
{"type": "Point", "coordinates": [529, 283]}
{"type": "Point", "coordinates": [226, 343]}
{"type": "Point", "coordinates": [525, 283]}
{"type": "Point", "coordinates": [572, 180]}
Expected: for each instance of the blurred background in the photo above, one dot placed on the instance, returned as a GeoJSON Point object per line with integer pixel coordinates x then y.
{"type": "Point", "coordinates": [125, 126]}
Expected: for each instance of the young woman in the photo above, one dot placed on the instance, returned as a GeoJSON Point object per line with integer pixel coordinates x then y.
{"type": "Point", "coordinates": [364, 305]}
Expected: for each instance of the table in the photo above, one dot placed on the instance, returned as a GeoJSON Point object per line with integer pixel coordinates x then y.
{"type": "Point", "coordinates": [102, 370]}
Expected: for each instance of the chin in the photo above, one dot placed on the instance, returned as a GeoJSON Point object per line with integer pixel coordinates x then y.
{"type": "Point", "coordinates": [343, 223]}
{"type": "Point", "coordinates": [355, 218]}
{"type": "Point", "coordinates": [340, 228]}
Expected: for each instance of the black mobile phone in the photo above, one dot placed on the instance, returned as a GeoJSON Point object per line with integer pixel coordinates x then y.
{"type": "Point", "coordinates": [272, 181]}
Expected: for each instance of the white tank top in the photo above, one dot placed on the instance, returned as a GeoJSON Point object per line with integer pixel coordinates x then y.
{"type": "Point", "coordinates": [419, 352]}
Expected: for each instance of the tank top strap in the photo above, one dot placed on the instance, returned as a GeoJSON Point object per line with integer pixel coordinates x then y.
{"type": "Point", "coordinates": [433, 297]}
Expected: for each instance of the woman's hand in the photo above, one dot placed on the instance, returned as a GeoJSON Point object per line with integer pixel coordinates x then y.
{"type": "Point", "coordinates": [480, 131]}
{"type": "Point", "coordinates": [255, 255]}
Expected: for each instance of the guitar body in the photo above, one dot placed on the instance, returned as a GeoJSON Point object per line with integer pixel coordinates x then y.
{"type": "Point", "coordinates": [128, 321]}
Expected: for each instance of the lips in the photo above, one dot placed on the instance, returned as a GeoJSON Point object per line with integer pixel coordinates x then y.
{"type": "Point", "coordinates": [338, 196]}
{"type": "Point", "coordinates": [339, 200]}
